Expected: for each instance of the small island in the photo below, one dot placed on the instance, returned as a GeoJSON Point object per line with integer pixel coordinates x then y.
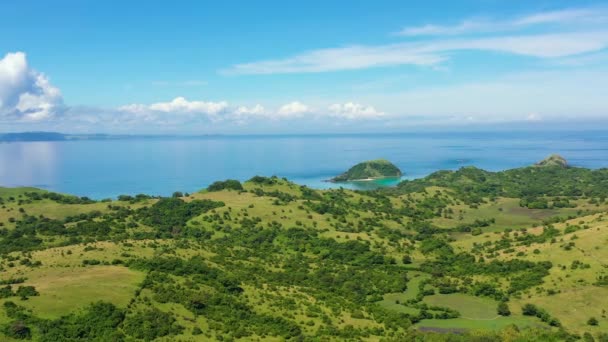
{"type": "Point", "coordinates": [554, 160]}
{"type": "Point", "coordinates": [369, 170]}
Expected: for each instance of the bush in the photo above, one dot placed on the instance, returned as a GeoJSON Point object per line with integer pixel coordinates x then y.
{"type": "Point", "coordinates": [26, 291]}
{"type": "Point", "coordinates": [18, 330]}
{"type": "Point", "coordinates": [503, 309]}
{"type": "Point", "coordinates": [229, 184]}
{"type": "Point", "coordinates": [151, 324]}
{"type": "Point", "coordinates": [529, 310]}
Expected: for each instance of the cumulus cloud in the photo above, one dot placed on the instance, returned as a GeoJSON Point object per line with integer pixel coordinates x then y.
{"type": "Point", "coordinates": [177, 110]}
{"type": "Point", "coordinates": [25, 94]}
{"type": "Point", "coordinates": [181, 105]}
{"type": "Point", "coordinates": [192, 111]}
{"type": "Point", "coordinates": [293, 109]}
{"type": "Point", "coordinates": [256, 110]}
{"type": "Point", "coordinates": [352, 111]}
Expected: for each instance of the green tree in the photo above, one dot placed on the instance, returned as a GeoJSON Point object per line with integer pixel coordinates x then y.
{"type": "Point", "coordinates": [503, 309]}
{"type": "Point", "coordinates": [529, 310]}
{"type": "Point", "coordinates": [18, 330]}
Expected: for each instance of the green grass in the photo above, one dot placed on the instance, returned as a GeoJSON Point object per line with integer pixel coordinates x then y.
{"type": "Point", "coordinates": [493, 324]}
{"type": "Point", "coordinates": [64, 290]}
{"type": "Point", "coordinates": [470, 307]}
{"type": "Point", "coordinates": [390, 300]}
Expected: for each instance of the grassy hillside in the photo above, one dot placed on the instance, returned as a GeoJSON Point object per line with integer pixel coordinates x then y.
{"type": "Point", "coordinates": [469, 255]}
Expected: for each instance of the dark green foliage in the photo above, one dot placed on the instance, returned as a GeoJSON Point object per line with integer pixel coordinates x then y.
{"type": "Point", "coordinates": [59, 198]}
{"type": "Point", "coordinates": [26, 291]}
{"type": "Point", "coordinates": [229, 184]}
{"type": "Point", "coordinates": [10, 281]}
{"type": "Point", "coordinates": [532, 183]}
{"type": "Point", "coordinates": [503, 309]}
{"type": "Point", "coordinates": [592, 321]}
{"type": "Point", "coordinates": [170, 215]}
{"type": "Point", "coordinates": [533, 310]}
{"type": "Point", "coordinates": [22, 238]}
{"type": "Point", "coordinates": [15, 311]}
{"type": "Point", "coordinates": [92, 228]}
{"type": "Point", "coordinates": [261, 180]}
{"type": "Point", "coordinates": [91, 262]}
{"type": "Point", "coordinates": [6, 291]}
{"type": "Point", "coordinates": [99, 322]}
{"type": "Point", "coordinates": [18, 330]}
{"type": "Point", "coordinates": [529, 310]}
{"type": "Point", "coordinates": [150, 324]}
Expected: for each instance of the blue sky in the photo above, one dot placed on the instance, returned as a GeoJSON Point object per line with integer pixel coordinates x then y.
{"type": "Point", "coordinates": [307, 66]}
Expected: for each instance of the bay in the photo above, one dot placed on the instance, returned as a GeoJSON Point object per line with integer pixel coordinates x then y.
{"type": "Point", "coordinates": [159, 166]}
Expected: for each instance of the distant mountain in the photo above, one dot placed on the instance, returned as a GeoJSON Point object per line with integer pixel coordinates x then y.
{"type": "Point", "coordinates": [54, 136]}
{"type": "Point", "coordinates": [371, 169]}
{"type": "Point", "coordinates": [32, 136]}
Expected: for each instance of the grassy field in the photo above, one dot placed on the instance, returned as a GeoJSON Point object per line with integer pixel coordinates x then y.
{"type": "Point", "coordinates": [66, 290]}
{"type": "Point", "coordinates": [396, 301]}
{"type": "Point", "coordinates": [460, 324]}
{"type": "Point", "coordinates": [59, 269]}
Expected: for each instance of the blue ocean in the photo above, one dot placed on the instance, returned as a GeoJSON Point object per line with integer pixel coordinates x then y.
{"type": "Point", "coordinates": [159, 166]}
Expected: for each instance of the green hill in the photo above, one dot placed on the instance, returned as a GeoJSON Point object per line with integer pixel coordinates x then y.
{"type": "Point", "coordinates": [372, 169]}
{"type": "Point", "coordinates": [466, 255]}
{"type": "Point", "coordinates": [554, 160]}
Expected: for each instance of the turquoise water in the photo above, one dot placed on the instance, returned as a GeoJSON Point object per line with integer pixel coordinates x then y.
{"type": "Point", "coordinates": [108, 168]}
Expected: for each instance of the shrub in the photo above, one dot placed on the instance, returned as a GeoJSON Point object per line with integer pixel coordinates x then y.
{"type": "Point", "coordinates": [229, 184]}
{"type": "Point", "coordinates": [503, 309]}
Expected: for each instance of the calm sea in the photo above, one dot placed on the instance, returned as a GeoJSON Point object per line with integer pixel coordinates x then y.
{"type": "Point", "coordinates": [108, 168]}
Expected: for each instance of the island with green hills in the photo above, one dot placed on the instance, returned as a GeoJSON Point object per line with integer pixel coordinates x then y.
{"type": "Point", "coordinates": [461, 255]}
{"type": "Point", "coordinates": [369, 170]}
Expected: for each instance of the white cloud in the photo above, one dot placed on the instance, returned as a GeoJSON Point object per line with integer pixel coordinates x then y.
{"type": "Point", "coordinates": [588, 16]}
{"type": "Point", "coordinates": [566, 16]}
{"type": "Point", "coordinates": [178, 105]}
{"type": "Point", "coordinates": [346, 58]}
{"type": "Point", "coordinates": [181, 105]}
{"type": "Point", "coordinates": [436, 30]}
{"type": "Point", "coordinates": [26, 94]}
{"type": "Point", "coordinates": [256, 110]}
{"type": "Point", "coordinates": [193, 111]}
{"type": "Point", "coordinates": [293, 110]}
{"type": "Point", "coordinates": [428, 53]}
{"type": "Point", "coordinates": [353, 111]}
{"type": "Point", "coordinates": [133, 108]}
